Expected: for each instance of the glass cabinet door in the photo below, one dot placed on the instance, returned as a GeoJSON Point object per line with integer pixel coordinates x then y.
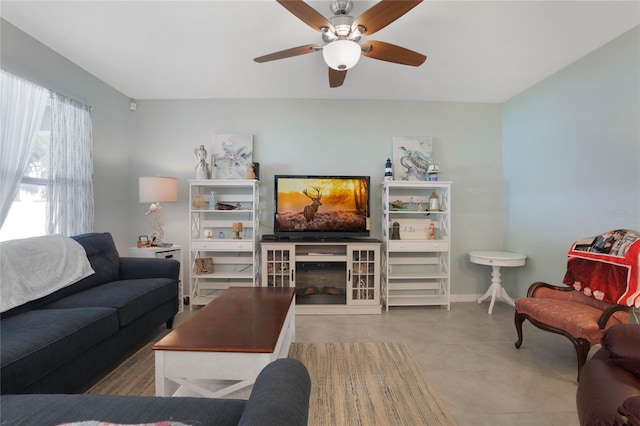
{"type": "Point", "coordinates": [277, 266]}
{"type": "Point", "coordinates": [364, 274]}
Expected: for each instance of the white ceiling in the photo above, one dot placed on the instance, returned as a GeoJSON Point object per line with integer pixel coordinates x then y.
{"type": "Point", "coordinates": [477, 51]}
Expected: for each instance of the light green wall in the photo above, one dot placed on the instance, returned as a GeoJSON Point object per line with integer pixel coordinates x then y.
{"type": "Point", "coordinates": [571, 149]}
{"type": "Point", "coordinates": [329, 137]}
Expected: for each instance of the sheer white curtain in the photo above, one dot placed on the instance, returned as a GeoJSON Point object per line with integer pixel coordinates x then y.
{"type": "Point", "coordinates": [71, 207]}
{"type": "Point", "coordinates": [22, 106]}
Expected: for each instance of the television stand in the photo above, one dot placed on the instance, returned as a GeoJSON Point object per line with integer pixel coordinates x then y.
{"type": "Point", "coordinates": [330, 276]}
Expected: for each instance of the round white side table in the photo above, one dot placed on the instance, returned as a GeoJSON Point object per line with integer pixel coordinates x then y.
{"type": "Point", "coordinates": [496, 259]}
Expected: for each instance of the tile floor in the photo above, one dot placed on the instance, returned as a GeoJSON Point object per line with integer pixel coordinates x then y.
{"type": "Point", "coordinates": [470, 358]}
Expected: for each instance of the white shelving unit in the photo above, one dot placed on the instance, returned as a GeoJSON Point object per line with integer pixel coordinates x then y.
{"type": "Point", "coordinates": [235, 261]}
{"type": "Point", "coordinates": [416, 267]}
{"type": "Point", "coordinates": [329, 277]}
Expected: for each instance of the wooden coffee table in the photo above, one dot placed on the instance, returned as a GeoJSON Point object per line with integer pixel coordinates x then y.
{"type": "Point", "coordinates": [224, 346]}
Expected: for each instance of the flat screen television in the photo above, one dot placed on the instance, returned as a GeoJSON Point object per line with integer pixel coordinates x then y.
{"type": "Point", "coordinates": [318, 207]}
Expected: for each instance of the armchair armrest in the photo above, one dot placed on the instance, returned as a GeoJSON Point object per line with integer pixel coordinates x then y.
{"type": "Point", "coordinates": [623, 343]}
{"type": "Point", "coordinates": [280, 395]}
{"type": "Point", "coordinates": [132, 268]}
{"type": "Point", "coordinates": [607, 313]}
{"type": "Point", "coordinates": [631, 410]}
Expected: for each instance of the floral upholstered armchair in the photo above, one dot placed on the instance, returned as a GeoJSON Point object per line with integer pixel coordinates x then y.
{"type": "Point", "coordinates": [602, 287]}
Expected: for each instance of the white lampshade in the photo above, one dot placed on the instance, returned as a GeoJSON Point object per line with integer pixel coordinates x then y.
{"type": "Point", "coordinates": [341, 55]}
{"type": "Point", "coordinates": [158, 189]}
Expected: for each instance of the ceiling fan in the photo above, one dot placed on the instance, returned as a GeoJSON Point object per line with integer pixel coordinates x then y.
{"type": "Point", "coordinates": [342, 34]}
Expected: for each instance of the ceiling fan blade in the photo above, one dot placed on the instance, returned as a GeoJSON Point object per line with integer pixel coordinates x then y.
{"type": "Point", "coordinates": [392, 53]}
{"type": "Point", "coordinates": [306, 14]}
{"type": "Point", "coordinates": [336, 78]}
{"type": "Point", "coordinates": [383, 13]}
{"type": "Point", "coordinates": [287, 53]}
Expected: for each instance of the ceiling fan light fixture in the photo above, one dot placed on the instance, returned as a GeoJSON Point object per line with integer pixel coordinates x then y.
{"type": "Point", "coordinates": [341, 55]}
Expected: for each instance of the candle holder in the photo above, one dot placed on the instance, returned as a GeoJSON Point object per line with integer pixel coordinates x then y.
{"type": "Point", "coordinates": [237, 228]}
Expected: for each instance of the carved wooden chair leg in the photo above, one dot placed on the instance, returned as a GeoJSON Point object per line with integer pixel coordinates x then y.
{"type": "Point", "coordinates": [582, 351]}
{"type": "Point", "coordinates": [519, 319]}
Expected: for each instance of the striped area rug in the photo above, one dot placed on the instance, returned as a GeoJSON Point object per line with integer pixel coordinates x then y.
{"type": "Point", "coordinates": [368, 384]}
{"type": "Point", "coordinates": [351, 384]}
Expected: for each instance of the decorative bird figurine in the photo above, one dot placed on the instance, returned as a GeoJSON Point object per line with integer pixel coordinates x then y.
{"type": "Point", "coordinates": [154, 207]}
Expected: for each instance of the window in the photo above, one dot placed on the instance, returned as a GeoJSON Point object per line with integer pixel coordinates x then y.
{"type": "Point", "coordinates": [28, 214]}
{"type": "Point", "coordinates": [54, 194]}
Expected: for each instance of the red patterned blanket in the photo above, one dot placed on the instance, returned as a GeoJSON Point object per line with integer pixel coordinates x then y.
{"type": "Point", "coordinates": [607, 267]}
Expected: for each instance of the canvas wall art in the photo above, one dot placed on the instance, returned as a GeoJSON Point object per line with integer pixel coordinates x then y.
{"type": "Point", "coordinates": [411, 157]}
{"type": "Point", "coordinates": [231, 155]}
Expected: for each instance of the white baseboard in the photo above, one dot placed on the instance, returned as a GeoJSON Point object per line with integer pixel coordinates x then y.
{"type": "Point", "coordinates": [465, 297]}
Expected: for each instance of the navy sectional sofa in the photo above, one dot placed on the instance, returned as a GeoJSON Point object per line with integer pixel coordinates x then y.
{"type": "Point", "coordinates": [61, 342]}
{"type": "Point", "coordinates": [280, 397]}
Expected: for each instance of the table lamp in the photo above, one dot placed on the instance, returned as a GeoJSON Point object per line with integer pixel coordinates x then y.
{"type": "Point", "coordinates": [237, 228]}
{"type": "Point", "coordinates": [155, 190]}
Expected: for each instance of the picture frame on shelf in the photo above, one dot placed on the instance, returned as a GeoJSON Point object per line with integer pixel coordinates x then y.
{"type": "Point", "coordinates": [231, 155]}
{"type": "Point", "coordinates": [204, 265]}
{"type": "Point", "coordinates": [412, 157]}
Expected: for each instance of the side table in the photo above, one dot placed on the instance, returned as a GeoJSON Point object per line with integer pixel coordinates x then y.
{"type": "Point", "coordinates": [496, 259]}
{"type": "Point", "coordinates": [173, 252]}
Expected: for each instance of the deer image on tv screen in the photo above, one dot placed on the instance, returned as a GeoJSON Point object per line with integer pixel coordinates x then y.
{"type": "Point", "coordinates": [336, 204]}
{"type": "Point", "coordinates": [311, 210]}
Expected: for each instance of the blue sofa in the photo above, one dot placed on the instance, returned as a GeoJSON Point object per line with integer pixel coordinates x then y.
{"type": "Point", "coordinates": [62, 342]}
{"type": "Point", "coordinates": [280, 397]}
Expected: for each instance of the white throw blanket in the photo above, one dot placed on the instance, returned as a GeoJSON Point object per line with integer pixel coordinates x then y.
{"type": "Point", "coordinates": [31, 268]}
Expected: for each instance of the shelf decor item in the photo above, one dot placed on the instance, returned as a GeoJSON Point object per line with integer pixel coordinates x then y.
{"type": "Point", "coordinates": [213, 201]}
{"type": "Point", "coordinates": [237, 228]}
{"type": "Point", "coordinates": [204, 265]}
{"type": "Point", "coordinates": [395, 231]}
{"type": "Point", "coordinates": [251, 173]}
{"type": "Point", "coordinates": [434, 202]}
{"type": "Point", "coordinates": [203, 171]}
{"type": "Point", "coordinates": [232, 155]}
{"type": "Point", "coordinates": [198, 202]}
{"type": "Point", "coordinates": [388, 171]}
{"type": "Point", "coordinates": [412, 157]}
{"type": "Point", "coordinates": [432, 172]}
{"type": "Point", "coordinates": [413, 229]}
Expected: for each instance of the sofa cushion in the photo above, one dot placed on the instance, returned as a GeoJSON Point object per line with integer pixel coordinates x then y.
{"type": "Point", "coordinates": [131, 298]}
{"type": "Point", "coordinates": [103, 256]}
{"type": "Point", "coordinates": [54, 409]}
{"type": "Point", "coordinates": [36, 342]}
{"type": "Point", "coordinates": [623, 343]}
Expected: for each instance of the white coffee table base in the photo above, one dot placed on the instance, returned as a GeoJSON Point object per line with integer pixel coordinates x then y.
{"type": "Point", "coordinates": [496, 259]}
{"type": "Point", "coordinates": [216, 374]}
